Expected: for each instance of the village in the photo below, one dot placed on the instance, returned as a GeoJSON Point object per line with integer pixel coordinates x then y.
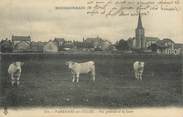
{"type": "Point", "coordinates": [138, 43]}
{"type": "Point", "coordinates": [137, 71]}
{"type": "Point", "coordinates": [25, 44]}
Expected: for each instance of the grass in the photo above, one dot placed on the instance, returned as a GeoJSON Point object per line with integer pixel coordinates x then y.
{"type": "Point", "coordinates": [46, 81]}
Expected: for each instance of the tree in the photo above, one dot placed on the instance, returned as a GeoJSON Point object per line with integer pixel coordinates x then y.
{"type": "Point", "coordinates": [6, 46]}
{"type": "Point", "coordinates": [122, 45]}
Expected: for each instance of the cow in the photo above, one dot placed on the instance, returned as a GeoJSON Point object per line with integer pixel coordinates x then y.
{"type": "Point", "coordinates": [81, 68]}
{"type": "Point", "coordinates": [14, 71]}
{"type": "Point", "coordinates": [138, 69]}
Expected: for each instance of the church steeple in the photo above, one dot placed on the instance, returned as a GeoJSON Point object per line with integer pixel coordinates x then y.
{"type": "Point", "coordinates": [139, 25]}
{"type": "Point", "coordinates": [140, 34]}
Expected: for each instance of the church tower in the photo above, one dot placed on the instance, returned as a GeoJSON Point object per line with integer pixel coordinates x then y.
{"type": "Point", "coordinates": [139, 35]}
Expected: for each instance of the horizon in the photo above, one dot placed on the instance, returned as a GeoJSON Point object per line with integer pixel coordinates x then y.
{"type": "Point", "coordinates": [84, 38]}
{"type": "Point", "coordinates": [43, 22]}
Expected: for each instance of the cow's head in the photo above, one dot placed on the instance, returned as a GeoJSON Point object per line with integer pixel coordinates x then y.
{"type": "Point", "coordinates": [141, 64]}
{"type": "Point", "coordinates": [18, 64]}
{"type": "Point", "coordinates": [69, 63]}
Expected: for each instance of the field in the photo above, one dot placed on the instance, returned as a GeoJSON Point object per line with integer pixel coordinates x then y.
{"type": "Point", "coordinates": [46, 81]}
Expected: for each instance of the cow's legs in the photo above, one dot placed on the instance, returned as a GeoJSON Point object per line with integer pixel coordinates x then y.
{"type": "Point", "coordinates": [13, 80]}
{"type": "Point", "coordinates": [73, 77]}
{"type": "Point", "coordinates": [77, 76]}
{"type": "Point", "coordinates": [136, 75]}
{"type": "Point", "coordinates": [93, 75]}
{"type": "Point", "coordinates": [140, 75]}
{"type": "Point", "coordinates": [18, 79]}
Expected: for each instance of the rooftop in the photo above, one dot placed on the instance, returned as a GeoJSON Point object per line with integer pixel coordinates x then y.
{"type": "Point", "coordinates": [21, 38]}
{"type": "Point", "coordinates": [139, 25]}
{"type": "Point", "coordinates": [152, 38]}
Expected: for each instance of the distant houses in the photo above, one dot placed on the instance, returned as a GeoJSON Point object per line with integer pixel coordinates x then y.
{"type": "Point", "coordinates": [139, 43]}
{"type": "Point", "coordinates": [59, 42]}
{"type": "Point", "coordinates": [97, 43]}
{"type": "Point", "coordinates": [50, 47]}
{"type": "Point", "coordinates": [167, 46]}
{"type": "Point", "coordinates": [151, 40]}
{"type": "Point", "coordinates": [37, 46]}
{"type": "Point", "coordinates": [154, 44]}
{"type": "Point", "coordinates": [150, 45]}
{"type": "Point", "coordinates": [21, 43]}
{"type": "Point", "coordinates": [68, 45]}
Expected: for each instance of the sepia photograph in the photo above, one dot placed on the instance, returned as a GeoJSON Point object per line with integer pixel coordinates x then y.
{"type": "Point", "coordinates": [91, 57]}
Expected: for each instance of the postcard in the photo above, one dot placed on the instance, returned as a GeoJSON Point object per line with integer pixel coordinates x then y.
{"type": "Point", "coordinates": [91, 58]}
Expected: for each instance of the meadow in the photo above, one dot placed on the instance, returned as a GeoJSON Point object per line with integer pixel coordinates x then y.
{"type": "Point", "coordinates": [46, 81]}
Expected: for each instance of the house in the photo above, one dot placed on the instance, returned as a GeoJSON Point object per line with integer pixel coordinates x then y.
{"type": "Point", "coordinates": [21, 43]}
{"type": "Point", "coordinates": [68, 45]}
{"type": "Point", "coordinates": [105, 45]}
{"type": "Point", "coordinates": [178, 48]}
{"type": "Point", "coordinates": [151, 40]}
{"type": "Point", "coordinates": [97, 43]}
{"type": "Point", "coordinates": [93, 42]}
{"type": "Point", "coordinates": [167, 46]}
{"type": "Point", "coordinates": [50, 47]}
{"type": "Point", "coordinates": [59, 42]}
{"type": "Point", "coordinates": [37, 46]}
{"type": "Point", "coordinates": [79, 45]}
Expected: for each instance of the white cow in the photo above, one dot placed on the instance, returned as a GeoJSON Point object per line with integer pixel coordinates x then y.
{"type": "Point", "coordinates": [138, 69]}
{"type": "Point", "coordinates": [81, 68]}
{"type": "Point", "coordinates": [14, 71]}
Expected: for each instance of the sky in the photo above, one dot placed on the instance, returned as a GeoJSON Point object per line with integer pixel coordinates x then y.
{"type": "Point", "coordinates": [40, 20]}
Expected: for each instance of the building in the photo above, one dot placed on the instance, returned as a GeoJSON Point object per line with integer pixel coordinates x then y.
{"type": "Point", "coordinates": [165, 46]}
{"type": "Point", "coordinates": [93, 42]}
{"type": "Point", "coordinates": [37, 46]}
{"type": "Point", "coordinates": [168, 47]}
{"type": "Point", "coordinates": [21, 43]}
{"type": "Point", "coordinates": [105, 45]}
{"type": "Point", "coordinates": [178, 48]}
{"type": "Point", "coordinates": [139, 41]}
{"type": "Point", "coordinates": [130, 42]}
{"type": "Point", "coordinates": [59, 41]}
{"type": "Point", "coordinates": [97, 43]}
{"type": "Point", "coordinates": [50, 47]}
{"type": "Point", "coordinates": [150, 41]}
{"type": "Point", "coordinates": [68, 45]}
{"type": "Point", "coordinates": [140, 35]}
